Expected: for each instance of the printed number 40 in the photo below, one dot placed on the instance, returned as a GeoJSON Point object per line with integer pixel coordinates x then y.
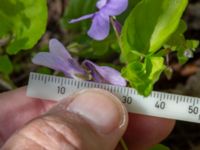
{"type": "Point", "coordinates": [160, 105]}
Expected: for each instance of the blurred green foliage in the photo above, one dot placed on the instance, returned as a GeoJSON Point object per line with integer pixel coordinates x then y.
{"type": "Point", "coordinates": [23, 22]}
{"type": "Point", "coordinates": [142, 76]}
{"type": "Point", "coordinates": [184, 47]}
{"type": "Point", "coordinates": [152, 27]}
{"type": "Point", "coordinates": [6, 66]}
{"type": "Point", "coordinates": [149, 25]}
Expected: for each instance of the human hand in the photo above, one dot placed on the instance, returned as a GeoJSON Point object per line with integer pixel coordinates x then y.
{"type": "Point", "coordinates": [92, 119]}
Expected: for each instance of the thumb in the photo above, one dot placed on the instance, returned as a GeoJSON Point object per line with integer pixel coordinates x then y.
{"type": "Point", "coordinates": [92, 119]}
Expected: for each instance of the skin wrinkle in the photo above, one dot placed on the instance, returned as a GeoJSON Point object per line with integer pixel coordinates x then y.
{"type": "Point", "coordinates": [43, 132]}
{"type": "Point", "coordinates": [31, 139]}
{"type": "Point", "coordinates": [76, 128]}
{"type": "Point", "coordinates": [71, 124]}
{"type": "Point", "coordinates": [60, 133]}
{"type": "Point", "coordinates": [22, 144]}
{"type": "Point", "coordinates": [34, 129]}
{"type": "Point", "coordinates": [38, 127]}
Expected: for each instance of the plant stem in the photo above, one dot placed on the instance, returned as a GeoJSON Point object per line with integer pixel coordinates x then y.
{"type": "Point", "coordinates": [123, 144]}
{"type": "Point", "coordinates": [117, 33]}
{"type": "Point", "coordinates": [7, 84]}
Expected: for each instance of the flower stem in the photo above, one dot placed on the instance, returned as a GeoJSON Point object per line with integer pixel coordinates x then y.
{"type": "Point", "coordinates": [123, 144]}
{"type": "Point", "coordinates": [117, 33]}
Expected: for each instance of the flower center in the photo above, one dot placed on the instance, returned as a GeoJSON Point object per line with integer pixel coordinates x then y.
{"type": "Point", "coordinates": [101, 3]}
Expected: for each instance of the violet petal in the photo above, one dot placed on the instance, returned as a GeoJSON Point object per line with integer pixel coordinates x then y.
{"type": "Point", "coordinates": [114, 8]}
{"type": "Point", "coordinates": [100, 27]}
{"type": "Point", "coordinates": [57, 48]}
{"type": "Point", "coordinates": [82, 18]}
{"type": "Point", "coordinates": [60, 60]}
{"type": "Point", "coordinates": [101, 3]}
{"type": "Point", "coordinates": [51, 61]}
{"type": "Point", "coordinates": [104, 74]}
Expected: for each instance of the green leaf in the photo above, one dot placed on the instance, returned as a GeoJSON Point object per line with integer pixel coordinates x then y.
{"type": "Point", "coordinates": [150, 24]}
{"type": "Point", "coordinates": [177, 40]}
{"type": "Point", "coordinates": [160, 147]}
{"type": "Point", "coordinates": [192, 44]}
{"type": "Point", "coordinates": [142, 76]}
{"type": "Point", "coordinates": [24, 21]}
{"type": "Point", "coordinates": [182, 27]}
{"type": "Point", "coordinates": [6, 66]}
{"type": "Point", "coordinates": [131, 5]}
{"type": "Point", "coordinates": [186, 50]}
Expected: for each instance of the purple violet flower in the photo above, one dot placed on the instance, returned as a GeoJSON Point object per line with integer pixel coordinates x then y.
{"type": "Point", "coordinates": [104, 74]}
{"type": "Point", "coordinates": [100, 27]}
{"type": "Point", "coordinates": [60, 60]}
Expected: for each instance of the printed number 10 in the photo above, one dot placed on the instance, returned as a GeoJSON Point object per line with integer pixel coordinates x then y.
{"type": "Point", "coordinates": [61, 90]}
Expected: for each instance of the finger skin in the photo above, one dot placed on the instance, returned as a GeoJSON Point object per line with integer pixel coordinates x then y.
{"type": "Point", "coordinates": [143, 131]}
{"type": "Point", "coordinates": [63, 128]}
{"type": "Point", "coordinates": [17, 109]}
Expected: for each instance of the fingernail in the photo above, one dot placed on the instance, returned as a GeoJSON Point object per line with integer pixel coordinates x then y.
{"type": "Point", "coordinates": [101, 109]}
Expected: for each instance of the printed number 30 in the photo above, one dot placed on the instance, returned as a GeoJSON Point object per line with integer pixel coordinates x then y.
{"type": "Point", "coordinates": [127, 100]}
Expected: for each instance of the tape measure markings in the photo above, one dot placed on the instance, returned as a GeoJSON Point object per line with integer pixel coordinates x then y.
{"type": "Point", "coordinates": [158, 104]}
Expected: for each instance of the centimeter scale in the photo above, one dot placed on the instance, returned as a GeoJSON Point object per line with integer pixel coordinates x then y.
{"type": "Point", "coordinates": [158, 104]}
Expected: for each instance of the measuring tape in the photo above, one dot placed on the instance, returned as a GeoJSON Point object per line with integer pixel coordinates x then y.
{"type": "Point", "coordinates": [158, 104]}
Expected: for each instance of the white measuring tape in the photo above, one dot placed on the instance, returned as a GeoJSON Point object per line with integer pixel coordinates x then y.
{"type": "Point", "coordinates": [158, 104]}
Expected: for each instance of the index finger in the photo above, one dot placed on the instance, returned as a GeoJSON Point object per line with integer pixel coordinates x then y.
{"type": "Point", "coordinates": [143, 131]}
{"type": "Point", "coordinates": [16, 109]}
